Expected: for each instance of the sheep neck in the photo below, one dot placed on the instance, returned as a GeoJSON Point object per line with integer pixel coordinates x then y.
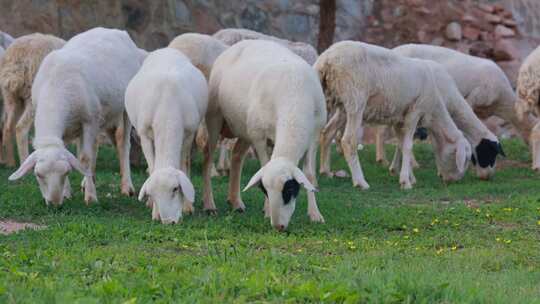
{"type": "Point", "coordinates": [50, 122]}
{"type": "Point", "coordinates": [465, 119]}
{"type": "Point", "coordinates": [293, 133]}
{"type": "Point", "coordinates": [168, 144]}
{"type": "Point", "coordinates": [441, 123]}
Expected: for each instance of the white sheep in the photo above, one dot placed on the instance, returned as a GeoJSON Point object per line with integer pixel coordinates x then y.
{"type": "Point", "coordinates": [264, 92]}
{"type": "Point", "coordinates": [483, 84]}
{"type": "Point", "coordinates": [374, 85]}
{"type": "Point", "coordinates": [5, 40]}
{"type": "Point", "coordinates": [166, 101]}
{"type": "Point", "coordinates": [528, 91]}
{"type": "Point", "coordinates": [231, 36]}
{"type": "Point", "coordinates": [486, 146]}
{"type": "Point", "coordinates": [78, 91]}
{"type": "Point", "coordinates": [17, 71]}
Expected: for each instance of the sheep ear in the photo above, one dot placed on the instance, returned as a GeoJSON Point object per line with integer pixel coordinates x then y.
{"type": "Point", "coordinates": [75, 163]}
{"type": "Point", "coordinates": [187, 186]}
{"type": "Point", "coordinates": [142, 192]}
{"type": "Point", "coordinates": [25, 167]}
{"type": "Point", "coordinates": [461, 156]}
{"type": "Point", "coordinates": [302, 179]}
{"type": "Point", "coordinates": [255, 179]}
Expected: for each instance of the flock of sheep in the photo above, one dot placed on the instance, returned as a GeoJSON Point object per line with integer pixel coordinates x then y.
{"type": "Point", "coordinates": [277, 97]}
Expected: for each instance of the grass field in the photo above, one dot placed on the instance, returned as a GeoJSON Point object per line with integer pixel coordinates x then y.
{"type": "Point", "coordinates": [468, 242]}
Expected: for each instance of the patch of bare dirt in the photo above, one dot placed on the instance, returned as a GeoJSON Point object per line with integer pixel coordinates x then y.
{"type": "Point", "coordinates": [9, 226]}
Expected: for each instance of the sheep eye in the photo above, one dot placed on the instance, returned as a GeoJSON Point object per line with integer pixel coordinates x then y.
{"type": "Point", "coordinates": [176, 189]}
{"type": "Point", "coordinates": [40, 176]}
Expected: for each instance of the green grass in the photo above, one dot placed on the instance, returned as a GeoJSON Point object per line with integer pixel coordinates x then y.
{"type": "Point", "coordinates": [467, 242]}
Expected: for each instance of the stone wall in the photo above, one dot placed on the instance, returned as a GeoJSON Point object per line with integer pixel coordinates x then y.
{"type": "Point", "coordinates": [153, 23]}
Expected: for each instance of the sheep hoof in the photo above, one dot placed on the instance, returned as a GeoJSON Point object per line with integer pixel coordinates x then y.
{"type": "Point", "coordinates": [361, 185]}
{"type": "Point", "coordinates": [89, 198]}
{"type": "Point", "coordinates": [316, 217]}
{"type": "Point", "coordinates": [211, 212]}
{"type": "Point", "coordinates": [239, 210]}
{"type": "Point", "coordinates": [383, 162]}
{"type": "Point", "coordinates": [238, 206]}
{"type": "Point", "coordinates": [406, 186]}
{"type": "Point", "coordinates": [128, 191]}
{"type": "Point", "coordinates": [536, 169]}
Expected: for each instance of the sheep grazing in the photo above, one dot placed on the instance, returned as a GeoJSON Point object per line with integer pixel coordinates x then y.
{"type": "Point", "coordinates": [374, 85]}
{"type": "Point", "coordinates": [5, 40]}
{"type": "Point", "coordinates": [264, 92]}
{"type": "Point", "coordinates": [17, 71]}
{"type": "Point", "coordinates": [166, 101]}
{"type": "Point", "coordinates": [486, 89]}
{"type": "Point", "coordinates": [232, 36]}
{"type": "Point", "coordinates": [79, 91]}
{"type": "Point", "coordinates": [528, 91]}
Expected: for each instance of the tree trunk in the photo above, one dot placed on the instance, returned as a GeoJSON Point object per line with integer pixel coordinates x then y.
{"type": "Point", "coordinates": [327, 24]}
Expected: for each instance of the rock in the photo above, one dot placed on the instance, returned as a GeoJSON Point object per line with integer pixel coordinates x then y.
{"type": "Point", "coordinates": [502, 31]}
{"type": "Point", "coordinates": [471, 33]}
{"type": "Point", "coordinates": [488, 8]}
{"type": "Point", "coordinates": [510, 23]}
{"type": "Point", "coordinates": [453, 31]}
{"type": "Point", "coordinates": [486, 36]}
{"type": "Point", "coordinates": [422, 36]}
{"type": "Point", "coordinates": [498, 8]}
{"type": "Point", "coordinates": [469, 19]}
{"type": "Point", "coordinates": [504, 50]}
{"type": "Point", "coordinates": [493, 19]}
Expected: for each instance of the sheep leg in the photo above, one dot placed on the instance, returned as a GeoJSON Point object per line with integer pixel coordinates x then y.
{"type": "Point", "coordinates": [122, 136]}
{"type": "Point", "coordinates": [349, 145]}
{"type": "Point", "coordinates": [406, 138]}
{"type": "Point", "coordinates": [262, 154]}
{"type": "Point", "coordinates": [22, 129]}
{"type": "Point", "coordinates": [327, 134]}
{"type": "Point", "coordinates": [223, 164]}
{"type": "Point", "coordinates": [11, 109]}
{"type": "Point", "coordinates": [148, 151]}
{"type": "Point", "coordinates": [87, 158]}
{"type": "Point", "coordinates": [396, 160]}
{"type": "Point", "coordinates": [185, 166]}
{"type": "Point", "coordinates": [379, 145]}
{"type": "Point", "coordinates": [147, 147]}
{"type": "Point", "coordinates": [309, 170]}
{"type": "Point", "coordinates": [535, 147]}
{"type": "Point", "coordinates": [214, 122]}
{"type": "Point", "coordinates": [238, 155]}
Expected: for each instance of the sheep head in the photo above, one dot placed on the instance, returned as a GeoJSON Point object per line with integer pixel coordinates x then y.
{"type": "Point", "coordinates": [452, 156]}
{"type": "Point", "coordinates": [280, 181]}
{"type": "Point", "coordinates": [51, 167]}
{"type": "Point", "coordinates": [485, 156]}
{"type": "Point", "coordinates": [167, 188]}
